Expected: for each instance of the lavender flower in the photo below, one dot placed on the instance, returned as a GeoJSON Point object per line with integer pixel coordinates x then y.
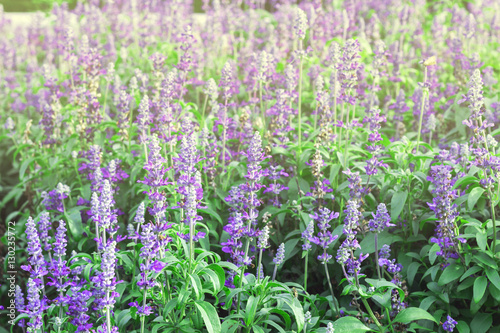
{"type": "Point", "coordinates": [107, 213]}
{"type": "Point", "coordinates": [19, 303]}
{"type": "Point", "coordinates": [385, 252]}
{"type": "Point", "coordinates": [36, 262]}
{"type": "Point", "coordinates": [381, 219]}
{"type": "Point", "coordinates": [139, 215]}
{"type": "Point", "coordinates": [105, 282]}
{"type": "Point", "coordinates": [449, 324]}
{"type": "Point", "coordinates": [307, 236]}
{"type": "Point", "coordinates": [77, 308]}
{"type": "Point", "coordinates": [330, 328]}
{"type": "Point", "coordinates": [226, 82]}
{"type": "Point", "coordinates": [156, 179]}
{"type": "Point", "coordinates": [446, 212]}
{"type": "Point", "coordinates": [350, 65]}
{"type": "Point", "coordinates": [345, 253]}
{"type": "Point", "coordinates": [44, 226]}
{"type": "Point", "coordinates": [324, 237]}
{"type": "Point", "coordinates": [211, 90]}
{"type": "Point", "coordinates": [59, 268]}
{"type": "Point", "coordinates": [143, 119]}
{"type": "Point", "coordinates": [280, 255]}
{"type": "Point", "coordinates": [35, 306]}
{"type": "Point", "coordinates": [300, 24]}
{"type": "Point", "coordinates": [262, 242]}
{"type": "Point", "coordinates": [148, 254]}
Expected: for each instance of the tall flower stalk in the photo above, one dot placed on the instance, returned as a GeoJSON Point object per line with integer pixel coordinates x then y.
{"type": "Point", "coordinates": [255, 156]}
{"type": "Point", "coordinates": [381, 220]}
{"type": "Point", "coordinates": [300, 28]}
{"type": "Point", "coordinates": [425, 93]}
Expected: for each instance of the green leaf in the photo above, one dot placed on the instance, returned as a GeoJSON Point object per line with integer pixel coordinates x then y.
{"type": "Point", "coordinates": [74, 223]}
{"type": "Point", "coordinates": [433, 253]}
{"type": "Point", "coordinates": [251, 310]}
{"type": "Point", "coordinates": [470, 271]}
{"type": "Point", "coordinates": [450, 274]}
{"type": "Point", "coordinates": [410, 314]}
{"type": "Point", "coordinates": [230, 326]}
{"type": "Point", "coordinates": [493, 277]}
{"type": "Point", "coordinates": [211, 212]}
{"type": "Point", "coordinates": [276, 326]}
{"type": "Point", "coordinates": [412, 271]}
{"type": "Point", "coordinates": [349, 325]}
{"type": "Point", "coordinates": [196, 283]}
{"type": "Point", "coordinates": [462, 327]}
{"type": "Point", "coordinates": [482, 240]}
{"type": "Point", "coordinates": [465, 181]}
{"type": "Point", "coordinates": [220, 273]}
{"type": "Point", "coordinates": [481, 323]}
{"type": "Point", "coordinates": [298, 312]}
{"type": "Point", "coordinates": [474, 195]}
{"type": "Point", "coordinates": [289, 247]}
{"type": "Point", "coordinates": [286, 316]}
{"type": "Point", "coordinates": [397, 203]}
{"type": "Point", "coordinates": [209, 315]}
{"type": "Point", "coordinates": [479, 288]}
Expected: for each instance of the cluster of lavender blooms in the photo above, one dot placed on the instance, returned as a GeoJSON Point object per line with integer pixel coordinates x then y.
{"type": "Point", "coordinates": [56, 271]}
{"type": "Point", "coordinates": [244, 201]}
{"type": "Point", "coordinates": [345, 254]}
{"type": "Point", "coordinates": [482, 146]}
{"type": "Point", "coordinates": [189, 185]}
{"type": "Point", "coordinates": [446, 212]}
{"type": "Point", "coordinates": [93, 98]}
{"type": "Point", "coordinates": [395, 269]}
{"type": "Point", "coordinates": [324, 237]}
{"type": "Point", "coordinates": [374, 120]}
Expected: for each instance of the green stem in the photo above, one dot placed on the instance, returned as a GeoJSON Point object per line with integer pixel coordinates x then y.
{"type": "Point", "coordinates": [494, 243]}
{"type": "Point", "coordinates": [108, 316]}
{"type": "Point", "coordinates": [376, 257]}
{"type": "Point", "coordinates": [191, 245]}
{"type": "Point", "coordinates": [274, 272]}
{"type": "Point", "coordinates": [335, 104]}
{"type": "Point", "coordinates": [263, 113]}
{"type": "Point", "coordinates": [203, 111]}
{"type": "Point", "coordinates": [105, 99]}
{"type": "Point", "coordinates": [372, 316]}
{"type": "Point", "coordinates": [305, 271]}
{"type": "Point", "coordinates": [334, 300]}
{"type": "Point", "coordinates": [300, 101]}
{"type": "Point", "coordinates": [143, 317]}
{"type": "Point", "coordinates": [258, 266]}
{"type": "Point", "coordinates": [424, 93]}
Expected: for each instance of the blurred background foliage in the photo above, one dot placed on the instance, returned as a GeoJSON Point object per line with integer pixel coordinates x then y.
{"type": "Point", "coordinates": [46, 5]}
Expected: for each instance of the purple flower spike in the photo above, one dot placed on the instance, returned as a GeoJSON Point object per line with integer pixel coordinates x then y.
{"type": "Point", "coordinates": [44, 226]}
{"type": "Point", "coordinates": [35, 306]}
{"type": "Point", "coordinates": [37, 264]}
{"type": "Point", "coordinates": [449, 324]}
{"type": "Point", "coordinates": [280, 255]}
{"type": "Point", "coordinates": [381, 219]}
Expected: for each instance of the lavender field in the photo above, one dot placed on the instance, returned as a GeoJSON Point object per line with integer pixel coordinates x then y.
{"type": "Point", "coordinates": [268, 166]}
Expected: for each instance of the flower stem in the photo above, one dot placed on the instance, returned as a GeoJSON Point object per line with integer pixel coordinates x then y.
{"type": "Point", "coordinates": [376, 257]}
{"type": "Point", "coordinates": [372, 316]}
{"type": "Point", "coordinates": [203, 111]}
{"type": "Point", "coordinates": [143, 317]}
{"type": "Point", "coordinates": [300, 101]}
{"type": "Point", "coordinates": [424, 93]}
{"type": "Point", "coordinates": [263, 113]}
{"type": "Point", "coordinates": [334, 300]}
{"type": "Point", "coordinates": [305, 271]}
{"type": "Point", "coordinates": [258, 266]}
{"type": "Point", "coordinates": [274, 272]}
